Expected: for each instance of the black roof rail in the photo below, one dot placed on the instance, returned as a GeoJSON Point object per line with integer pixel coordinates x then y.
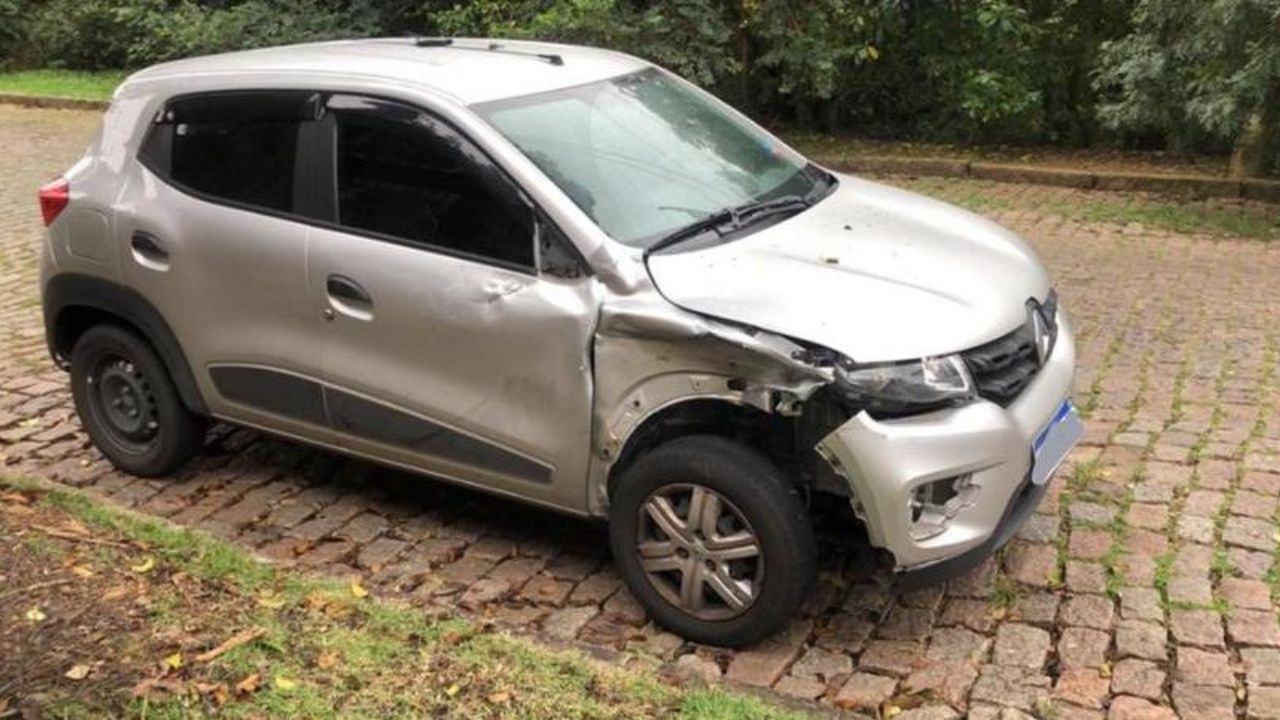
{"type": "Point", "coordinates": [552, 58]}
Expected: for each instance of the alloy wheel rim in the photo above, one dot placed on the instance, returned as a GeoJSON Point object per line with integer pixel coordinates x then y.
{"type": "Point", "coordinates": [699, 552]}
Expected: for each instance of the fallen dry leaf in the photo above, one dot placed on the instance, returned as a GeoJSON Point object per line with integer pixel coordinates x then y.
{"type": "Point", "coordinates": [82, 571]}
{"type": "Point", "coordinates": [500, 698]}
{"type": "Point", "coordinates": [249, 685]}
{"type": "Point", "coordinates": [174, 661]}
{"type": "Point", "coordinates": [358, 590]}
{"type": "Point", "coordinates": [147, 565]}
{"type": "Point", "coordinates": [161, 684]}
{"type": "Point", "coordinates": [16, 498]}
{"type": "Point", "coordinates": [35, 615]}
{"type": "Point", "coordinates": [284, 683]}
{"type": "Point", "coordinates": [77, 672]}
{"type": "Point", "coordinates": [326, 660]}
{"type": "Point", "coordinates": [270, 600]}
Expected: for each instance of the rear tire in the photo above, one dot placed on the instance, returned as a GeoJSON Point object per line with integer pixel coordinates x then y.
{"type": "Point", "coordinates": [128, 404]}
{"type": "Point", "coordinates": [712, 540]}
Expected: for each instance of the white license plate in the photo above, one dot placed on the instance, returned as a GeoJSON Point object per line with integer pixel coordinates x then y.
{"type": "Point", "coordinates": [1054, 442]}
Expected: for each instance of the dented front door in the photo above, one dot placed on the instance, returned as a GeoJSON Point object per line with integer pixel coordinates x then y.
{"type": "Point", "coordinates": [467, 370]}
{"type": "Point", "coordinates": [446, 350]}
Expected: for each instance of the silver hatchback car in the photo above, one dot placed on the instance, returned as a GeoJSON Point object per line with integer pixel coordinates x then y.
{"type": "Point", "coordinates": [567, 276]}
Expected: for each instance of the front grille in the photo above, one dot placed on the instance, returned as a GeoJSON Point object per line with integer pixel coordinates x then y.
{"type": "Point", "coordinates": [1005, 366]}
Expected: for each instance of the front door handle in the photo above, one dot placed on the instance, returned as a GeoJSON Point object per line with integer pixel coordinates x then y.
{"type": "Point", "coordinates": [347, 297]}
{"type": "Point", "coordinates": [149, 251]}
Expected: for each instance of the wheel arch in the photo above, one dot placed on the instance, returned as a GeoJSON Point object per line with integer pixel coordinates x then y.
{"type": "Point", "coordinates": [74, 302]}
{"type": "Point", "coordinates": [721, 415]}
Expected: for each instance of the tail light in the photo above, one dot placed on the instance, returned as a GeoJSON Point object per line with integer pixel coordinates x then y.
{"type": "Point", "coordinates": [53, 199]}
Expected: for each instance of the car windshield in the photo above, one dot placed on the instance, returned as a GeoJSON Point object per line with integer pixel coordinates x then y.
{"type": "Point", "coordinates": [645, 155]}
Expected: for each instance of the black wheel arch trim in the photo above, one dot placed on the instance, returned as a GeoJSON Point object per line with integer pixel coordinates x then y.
{"type": "Point", "coordinates": [66, 291]}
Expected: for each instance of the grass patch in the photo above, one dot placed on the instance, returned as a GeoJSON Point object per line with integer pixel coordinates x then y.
{"type": "Point", "coordinates": [62, 83]}
{"type": "Point", "coordinates": [321, 649]}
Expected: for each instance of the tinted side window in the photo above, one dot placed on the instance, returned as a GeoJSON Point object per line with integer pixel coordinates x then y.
{"type": "Point", "coordinates": [240, 147]}
{"type": "Point", "coordinates": [404, 174]}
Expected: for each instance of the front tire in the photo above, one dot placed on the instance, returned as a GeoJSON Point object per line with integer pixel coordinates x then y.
{"type": "Point", "coordinates": [128, 404]}
{"type": "Point", "coordinates": [712, 540]}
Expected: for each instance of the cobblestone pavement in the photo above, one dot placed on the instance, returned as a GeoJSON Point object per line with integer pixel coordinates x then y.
{"type": "Point", "coordinates": [1143, 588]}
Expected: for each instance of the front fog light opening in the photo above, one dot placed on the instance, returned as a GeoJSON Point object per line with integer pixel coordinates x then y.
{"type": "Point", "coordinates": [933, 505]}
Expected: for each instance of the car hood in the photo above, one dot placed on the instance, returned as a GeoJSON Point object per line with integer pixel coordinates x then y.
{"type": "Point", "coordinates": [873, 272]}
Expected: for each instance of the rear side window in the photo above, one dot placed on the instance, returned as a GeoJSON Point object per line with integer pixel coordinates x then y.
{"type": "Point", "coordinates": [238, 147]}
{"type": "Point", "coordinates": [405, 175]}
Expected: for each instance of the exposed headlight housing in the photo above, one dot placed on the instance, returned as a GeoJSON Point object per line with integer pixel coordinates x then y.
{"type": "Point", "coordinates": [905, 388]}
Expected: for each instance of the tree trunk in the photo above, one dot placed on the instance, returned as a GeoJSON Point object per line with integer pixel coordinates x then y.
{"type": "Point", "coordinates": [1249, 156]}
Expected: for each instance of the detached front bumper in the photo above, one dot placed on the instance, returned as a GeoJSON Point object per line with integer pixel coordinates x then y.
{"type": "Point", "coordinates": [992, 448]}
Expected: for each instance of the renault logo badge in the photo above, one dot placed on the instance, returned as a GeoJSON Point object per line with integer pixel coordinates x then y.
{"type": "Point", "coordinates": [1042, 337]}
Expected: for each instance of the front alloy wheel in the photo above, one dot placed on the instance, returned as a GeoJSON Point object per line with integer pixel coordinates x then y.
{"type": "Point", "coordinates": [699, 552]}
{"type": "Point", "coordinates": [712, 540]}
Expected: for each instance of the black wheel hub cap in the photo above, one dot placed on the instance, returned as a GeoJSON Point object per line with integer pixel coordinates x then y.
{"type": "Point", "coordinates": [124, 397]}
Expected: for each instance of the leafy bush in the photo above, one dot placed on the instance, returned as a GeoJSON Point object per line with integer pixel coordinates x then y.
{"type": "Point", "coordinates": [1186, 74]}
{"type": "Point", "coordinates": [101, 34]}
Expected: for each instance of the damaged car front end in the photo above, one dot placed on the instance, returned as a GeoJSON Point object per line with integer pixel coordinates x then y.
{"type": "Point", "coordinates": [773, 340]}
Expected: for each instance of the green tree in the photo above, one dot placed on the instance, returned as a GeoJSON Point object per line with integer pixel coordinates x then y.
{"type": "Point", "coordinates": [1199, 70]}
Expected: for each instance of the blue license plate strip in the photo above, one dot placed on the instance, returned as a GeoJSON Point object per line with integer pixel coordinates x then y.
{"type": "Point", "coordinates": [1053, 443]}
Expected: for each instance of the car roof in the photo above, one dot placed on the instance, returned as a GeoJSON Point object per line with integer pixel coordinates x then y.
{"type": "Point", "coordinates": [471, 70]}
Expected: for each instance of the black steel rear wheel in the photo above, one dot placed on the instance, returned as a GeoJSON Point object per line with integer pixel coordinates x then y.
{"type": "Point", "coordinates": [128, 404]}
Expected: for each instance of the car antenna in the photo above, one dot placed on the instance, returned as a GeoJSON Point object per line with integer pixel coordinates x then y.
{"type": "Point", "coordinates": [552, 58]}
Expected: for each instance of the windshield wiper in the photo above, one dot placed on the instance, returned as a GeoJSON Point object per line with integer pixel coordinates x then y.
{"type": "Point", "coordinates": [731, 220]}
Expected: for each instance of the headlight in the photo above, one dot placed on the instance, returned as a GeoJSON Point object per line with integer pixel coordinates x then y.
{"type": "Point", "coordinates": [894, 389]}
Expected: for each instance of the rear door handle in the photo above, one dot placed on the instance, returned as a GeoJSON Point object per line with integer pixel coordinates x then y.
{"type": "Point", "coordinates": [149, 251]}
{"type": "Point", "coordinates": [347, 297]}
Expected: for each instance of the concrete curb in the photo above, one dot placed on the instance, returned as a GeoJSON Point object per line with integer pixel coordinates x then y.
{"type": "Point", "coordinates": [1191, 187]}
{"type": "Point", "coordinates": [52, 103]}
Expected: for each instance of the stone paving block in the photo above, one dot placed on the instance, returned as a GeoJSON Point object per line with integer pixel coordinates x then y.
{"type": "Point", "coordinates": [1200, 702]}
{"type": "Point", "coordinates": [1249, 564]}
{"type": "Point", "coordinates": [1254, 628]}
{"type": "Point", "coordinates": [800, 688]}
{"type": "Point", "coordinates": [864, 691]}
{"type": "Point", "coordinates": [1140, 678]}
{"type": "Point", "coordinates": [567, 623]}
{"type": "Point", "coordinates": [1140, 603]}
{"type": "Point", "coordinates": [1202, 628]}
{"type": "Point", "coordinates": [1200, 667]}
{"type": "Point", "coordinates": [1245, 594]}
{"type": "Point", "coordinates": [976, 615]}
{"type": "Point", "coordinates": [946, 680]}
{"type": "Point", "coordinates": [1033, 565]}
{"type": "Point", "coordinates": [1011, 686]}
{"type": "Point", "coordinates": [1261, 665]}
{"type": "Point", "coordinates": [1085, 687]}
{"type": "Point", "coordinates": [1086, 577]}
{"type": "Point", "coordinates": [1094, 611]}
{"type": "Point", "coordinates": [763, 664]}
{"type": "Point", "coordinates": [1194, 590]}
{"type": "Point", "coordinates": [1250, 533]}
{"type": "Point", "coordinates": [1036, 608]}
{"type": "Point", "coordinates": [1142, 640]}
{"type": "Point", "coordinates": [1080, 647]}
{"type": "Point", "coordinates": [957, 645]}
{"type": "Point", "coordinates": [1264, 704]}
{"type": "Point", "coordinates": [823, 665]}
{"type": "Point", "coordinates": [891, 657]}
{"type": "Point", "coordinates": [1132, 708]}
{"type": "Point", "coordinates": [1021, 645]}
